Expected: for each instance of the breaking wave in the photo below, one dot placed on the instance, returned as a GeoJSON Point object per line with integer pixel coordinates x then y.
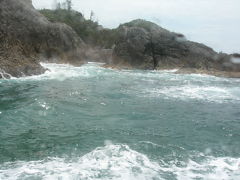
{"type": "Point", "coordinates": [119, 162]}
{"type": "Point", "coordinates": [164, 84]}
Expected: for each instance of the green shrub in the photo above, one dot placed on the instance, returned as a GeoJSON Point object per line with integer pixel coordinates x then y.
{"type": "Point", "coordinates": [90, 31]}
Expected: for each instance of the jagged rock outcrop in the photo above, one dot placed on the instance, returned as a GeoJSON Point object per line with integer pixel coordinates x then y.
{"type": "Point", "coordinates": [145, 45]}
{"type": "Point", "coordinates": [26, 37]}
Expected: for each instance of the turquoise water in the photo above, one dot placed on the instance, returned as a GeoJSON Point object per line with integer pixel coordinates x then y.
{"type": "Point", "coordinates": [94, 123]}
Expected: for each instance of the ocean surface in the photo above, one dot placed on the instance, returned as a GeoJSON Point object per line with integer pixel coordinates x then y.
{"type": "Point", "coordinates": [92, 123]}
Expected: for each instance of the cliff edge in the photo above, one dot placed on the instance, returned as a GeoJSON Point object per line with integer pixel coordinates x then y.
{"type": "Point", "coordinates": [26, 37]}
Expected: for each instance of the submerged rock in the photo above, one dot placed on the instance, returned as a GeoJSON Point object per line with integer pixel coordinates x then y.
{"type": "Point", "coordinates": [26, 37]}
{"type": "Point", "coordinates": [145, 45]}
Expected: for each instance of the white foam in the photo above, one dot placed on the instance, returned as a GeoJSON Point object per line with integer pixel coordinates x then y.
{"type": "Point", "coordinates": [109, 162]}
{"type": "Point", "coordinates": [186, 92]}
{"type": "Point", "coordinates": [211, 169]}
{"type": "Point", "coordinates": [96, 63]}
{"type": "Point", "coordinates": [4, 75]}
{"type": "Point", "coordinates": [119, 162]}
{"type": "Point", "coordinates": [163, 83]}
{"type": "Point", "coordinates": [62, 72]}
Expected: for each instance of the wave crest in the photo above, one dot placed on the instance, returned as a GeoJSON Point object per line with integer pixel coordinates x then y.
{"type": "Point", "coordinates": [119, 162]}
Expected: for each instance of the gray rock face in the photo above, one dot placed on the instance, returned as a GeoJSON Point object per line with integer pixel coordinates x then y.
{"type": "Point", "coordinates": [145, 45]}
{"type": "Point", "coordinates": [26, 36]}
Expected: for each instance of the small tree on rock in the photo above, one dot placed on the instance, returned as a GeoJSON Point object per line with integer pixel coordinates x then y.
{"type": "Point", "coordinates": [69, 5]}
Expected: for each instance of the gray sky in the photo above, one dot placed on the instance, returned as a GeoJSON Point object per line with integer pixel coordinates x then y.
{"type": "Point", "coordinates": [215, 23]}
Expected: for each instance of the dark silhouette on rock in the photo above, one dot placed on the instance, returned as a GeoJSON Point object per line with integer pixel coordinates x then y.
{"type": "Point", "coordinates": [145, 45]}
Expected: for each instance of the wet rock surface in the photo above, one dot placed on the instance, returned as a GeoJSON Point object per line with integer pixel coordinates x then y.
{"type": "Point", "coordinates": [145, 45]}
{"type": "Point", "coordinates": [26, 37]}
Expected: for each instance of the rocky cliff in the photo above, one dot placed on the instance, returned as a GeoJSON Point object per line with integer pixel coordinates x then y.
{"type": "Point", "coordinates": [26, 37]}
{"type": "Point", "coordinates": [145, 45]}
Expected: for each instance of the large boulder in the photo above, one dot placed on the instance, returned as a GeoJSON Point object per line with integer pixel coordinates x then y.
{"type": "Point", "coordinates": [145, 45]}
{"type": "Point", "coordinates": [26, 37]}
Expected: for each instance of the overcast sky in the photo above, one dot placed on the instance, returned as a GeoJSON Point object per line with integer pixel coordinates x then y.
{"type": "Point", "coordinates": [215, 23]}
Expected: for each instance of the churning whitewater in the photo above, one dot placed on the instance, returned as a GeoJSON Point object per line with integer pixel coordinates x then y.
{"type": "Point", "coordinates": [92, 123]}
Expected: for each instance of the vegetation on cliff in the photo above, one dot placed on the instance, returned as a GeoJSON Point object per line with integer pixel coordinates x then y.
{"type": "Point", "coordinates": [27, 37]}
{"type": "Point", "coordinates": [88, 29]}
{"type": "Point", "coordinates": [66, 36]}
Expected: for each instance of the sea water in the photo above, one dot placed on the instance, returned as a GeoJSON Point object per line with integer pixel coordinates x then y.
{"type": "Point", "coordinates": [90, 123]}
